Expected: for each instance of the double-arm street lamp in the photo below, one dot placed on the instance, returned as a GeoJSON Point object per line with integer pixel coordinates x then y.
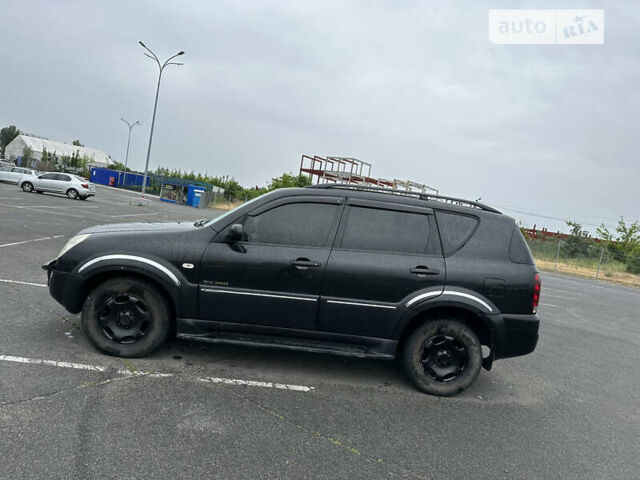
{"type": "Point", "coordinates": [126, 157]}
{"type": "Point", "coordinates": [155, 105]}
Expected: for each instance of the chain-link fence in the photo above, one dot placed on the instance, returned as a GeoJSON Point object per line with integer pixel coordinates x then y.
{"type": "Point", "coordinates": [593, 261]}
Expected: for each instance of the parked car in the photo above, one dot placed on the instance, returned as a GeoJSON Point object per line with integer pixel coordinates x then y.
{"type": "Point", "coordinates": [13, 174]}
{"type": "Point", "coordinates": [65, 183]}
{"type": "Point", "coordinates": [337, 269]}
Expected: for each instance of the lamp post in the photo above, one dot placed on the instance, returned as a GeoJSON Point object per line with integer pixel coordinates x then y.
{"type": "Point", "coordinates": [126, 157]}
{"type": "Point", "coordinates": [155, 105]}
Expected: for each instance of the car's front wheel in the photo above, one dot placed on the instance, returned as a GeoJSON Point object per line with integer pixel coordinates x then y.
{"type": "Point", "coordinates": [27, 187]}
{"type": "Point", "coordinates": [72, 193]}
{"type": "Point", "coordinates": [442, 357]}
{"type": "Point", "coordinates": [127, 317]}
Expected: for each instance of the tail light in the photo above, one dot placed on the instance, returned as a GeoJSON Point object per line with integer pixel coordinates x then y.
{"type": "Point", "coordinates": [536, 293]}
{"type": "Point", "coordinates": [85, 185]}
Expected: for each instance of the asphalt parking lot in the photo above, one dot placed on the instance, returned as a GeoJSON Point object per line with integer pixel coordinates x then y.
{"type": "Point", "coordinates": [569, 410]}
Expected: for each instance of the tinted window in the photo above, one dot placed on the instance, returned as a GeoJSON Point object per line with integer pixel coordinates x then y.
{"type": "Point", "coordinates": [303, 224]}
{"type": "Point", "coordinates": [18, 170]}
{"type": "Point", "coordinates": [5, 169]}
{"type": "Point", "coordinates": [385, 231]}
{"type": "Point", "coordinates": [48, 176]}
{"type": "Point", "coordinates": [455, 230]}
{"type": "Point", "coordinates": [63, 178]}
{"type": "Point", "coordinates": [518, 249]}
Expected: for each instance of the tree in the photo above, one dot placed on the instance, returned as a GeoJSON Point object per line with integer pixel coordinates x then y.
{"type": "Point", "coordinates": [120, 166]}
{"type": "Point", "coordinates": [287, 180]}
{"type": "Point", "coordinates": [77, 143]}
{"type": "Point", "coordinates": [27, 155]}
{"type": "Point", "coordinates": [577, 241]}
{"type": "Point", "coordinates": [7, 134]}
{"type": "Point", "coordinates": [626, 240]}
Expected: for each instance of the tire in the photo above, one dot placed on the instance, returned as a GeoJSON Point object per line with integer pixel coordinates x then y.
{"type": "Point", "coordinates": [72, 193]}
{"type": "Point", "coordinates": [126, 317]}
{"type": "Point", "coordinates": [442, 357]}
{"type": "Point", "coordinates": [27, 187]}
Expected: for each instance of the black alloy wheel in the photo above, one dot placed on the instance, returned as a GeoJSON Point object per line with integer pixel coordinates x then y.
{"type": "Point", "coordinates": [124, 318]}
{"type": "Point", "coordinates": [444, 357]}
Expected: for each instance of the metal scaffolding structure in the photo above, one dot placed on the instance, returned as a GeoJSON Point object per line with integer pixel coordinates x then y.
{"type": "Point", "coordinates": [332, 169]}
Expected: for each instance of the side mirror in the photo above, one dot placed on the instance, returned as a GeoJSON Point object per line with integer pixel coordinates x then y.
{"type": "Point", "coordinates": [236, 233]}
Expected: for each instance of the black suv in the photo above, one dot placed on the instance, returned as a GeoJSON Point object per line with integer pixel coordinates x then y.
{"type": "Point", "coordinates": [347, 270]}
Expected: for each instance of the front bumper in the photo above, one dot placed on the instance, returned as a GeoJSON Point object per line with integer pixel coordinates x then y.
{"type": "Point", "coordinates": [66, 288]}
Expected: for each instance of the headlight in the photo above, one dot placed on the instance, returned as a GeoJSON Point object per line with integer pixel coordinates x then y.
{"type": "Point", "coordinates": [73, 241]}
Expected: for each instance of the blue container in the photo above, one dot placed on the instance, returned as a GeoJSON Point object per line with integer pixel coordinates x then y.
{"type": "Point", "coordinates": [193, 195]}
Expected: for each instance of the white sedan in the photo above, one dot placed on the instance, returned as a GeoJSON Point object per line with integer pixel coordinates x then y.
{"type": "Point", "coordinates": [70, 185]}
{"type": "Point", "coordinates": [13, 174]}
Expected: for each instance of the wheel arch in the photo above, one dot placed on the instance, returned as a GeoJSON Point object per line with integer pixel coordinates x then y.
{"type": "Point", "coordinates": [101, 276]}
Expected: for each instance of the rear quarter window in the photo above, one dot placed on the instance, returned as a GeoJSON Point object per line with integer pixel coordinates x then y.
{"type": "Point", "coordinates": [518, 249]}
{"type": "Point", "coordinates": [455, 230]}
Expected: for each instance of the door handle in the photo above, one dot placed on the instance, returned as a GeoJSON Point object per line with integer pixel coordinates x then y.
{"type": "Point", "coordinates": [424, 270]}
{"type": "Point", "coordinates": [304, 263]}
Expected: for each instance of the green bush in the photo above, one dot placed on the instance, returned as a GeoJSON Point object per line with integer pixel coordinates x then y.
{"type": "Point", "coordinates": [633, 261]}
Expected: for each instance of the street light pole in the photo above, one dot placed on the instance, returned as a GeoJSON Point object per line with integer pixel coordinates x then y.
{"type": "Point", "coordinates": [126, 157]}
{"type": "Point", "coordinates": [155, 104]}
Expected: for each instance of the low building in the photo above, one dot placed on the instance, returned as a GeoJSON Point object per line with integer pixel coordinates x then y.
{"type": "Point", "coordinates": [14, 150]}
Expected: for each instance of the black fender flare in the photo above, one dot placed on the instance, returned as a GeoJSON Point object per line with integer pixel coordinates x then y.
{"type": "Point", "coordinates": [462, 299]}
{"type": "Point", "coordinates": [183, 295]}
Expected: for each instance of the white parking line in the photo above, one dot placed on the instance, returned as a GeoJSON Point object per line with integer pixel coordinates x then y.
{"type": "Point", "coordinates": [100, 368]}
{"type": "Point", "coordinates": [17, 282]}
{"type": "Point", "coordinates": [29, 241]}
{"type": "Point", "coordinates": [548, 305]}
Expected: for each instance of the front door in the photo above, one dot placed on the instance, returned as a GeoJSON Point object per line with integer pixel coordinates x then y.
{"type": "Point", "coordinates": [383, 255]}
{"type": "Point", "coordinates": [273, 275]}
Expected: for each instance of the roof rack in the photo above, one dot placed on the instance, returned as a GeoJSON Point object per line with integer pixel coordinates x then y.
{"type": "Point", "coordinates": [420, 195]}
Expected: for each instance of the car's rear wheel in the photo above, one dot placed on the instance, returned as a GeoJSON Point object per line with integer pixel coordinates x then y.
{"type": "Point", "coordinates": [72, 193]}
{"type": "Point", "coordinates": [442, 357]}
{"type": "Point", "coordinates": [27, 187]}
{"type": "Point", "coordinates": [127, 317]}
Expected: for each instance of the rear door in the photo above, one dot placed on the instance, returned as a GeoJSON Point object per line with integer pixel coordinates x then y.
{"type": "Point", "coordinates": [61, 183]}
{"type": "Point", "coordinates": [5, 174]}
{"type": "Point", "coordinates": [274, 275]}
{"type": "Point", "coordinates": [16, 173]}
{"type": "Point", "coordinates": [383, 254]}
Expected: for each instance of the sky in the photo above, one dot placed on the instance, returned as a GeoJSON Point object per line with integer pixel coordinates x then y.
{"type": "Point", "coordinates": [545, 133]}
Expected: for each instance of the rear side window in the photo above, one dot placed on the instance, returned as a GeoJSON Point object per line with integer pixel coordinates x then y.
{"type": "Point", "coordinates": [48, 176]}
{"type": "Point", "coordinates": [518, 249]}
{"type": "Point", "coordinates": [455, 230]}
{"type": "Point", "coordinates": [379, 230]}
{"type": "Point", "coordinates": [296, 224]}
{"type": "Point", "coordinates": [64, 178]}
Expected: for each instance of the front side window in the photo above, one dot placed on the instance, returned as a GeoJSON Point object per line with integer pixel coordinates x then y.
{"type": "Point", "coordinates": [380, 230]}
{"type": "Point", "coordinates": [299, 224]}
